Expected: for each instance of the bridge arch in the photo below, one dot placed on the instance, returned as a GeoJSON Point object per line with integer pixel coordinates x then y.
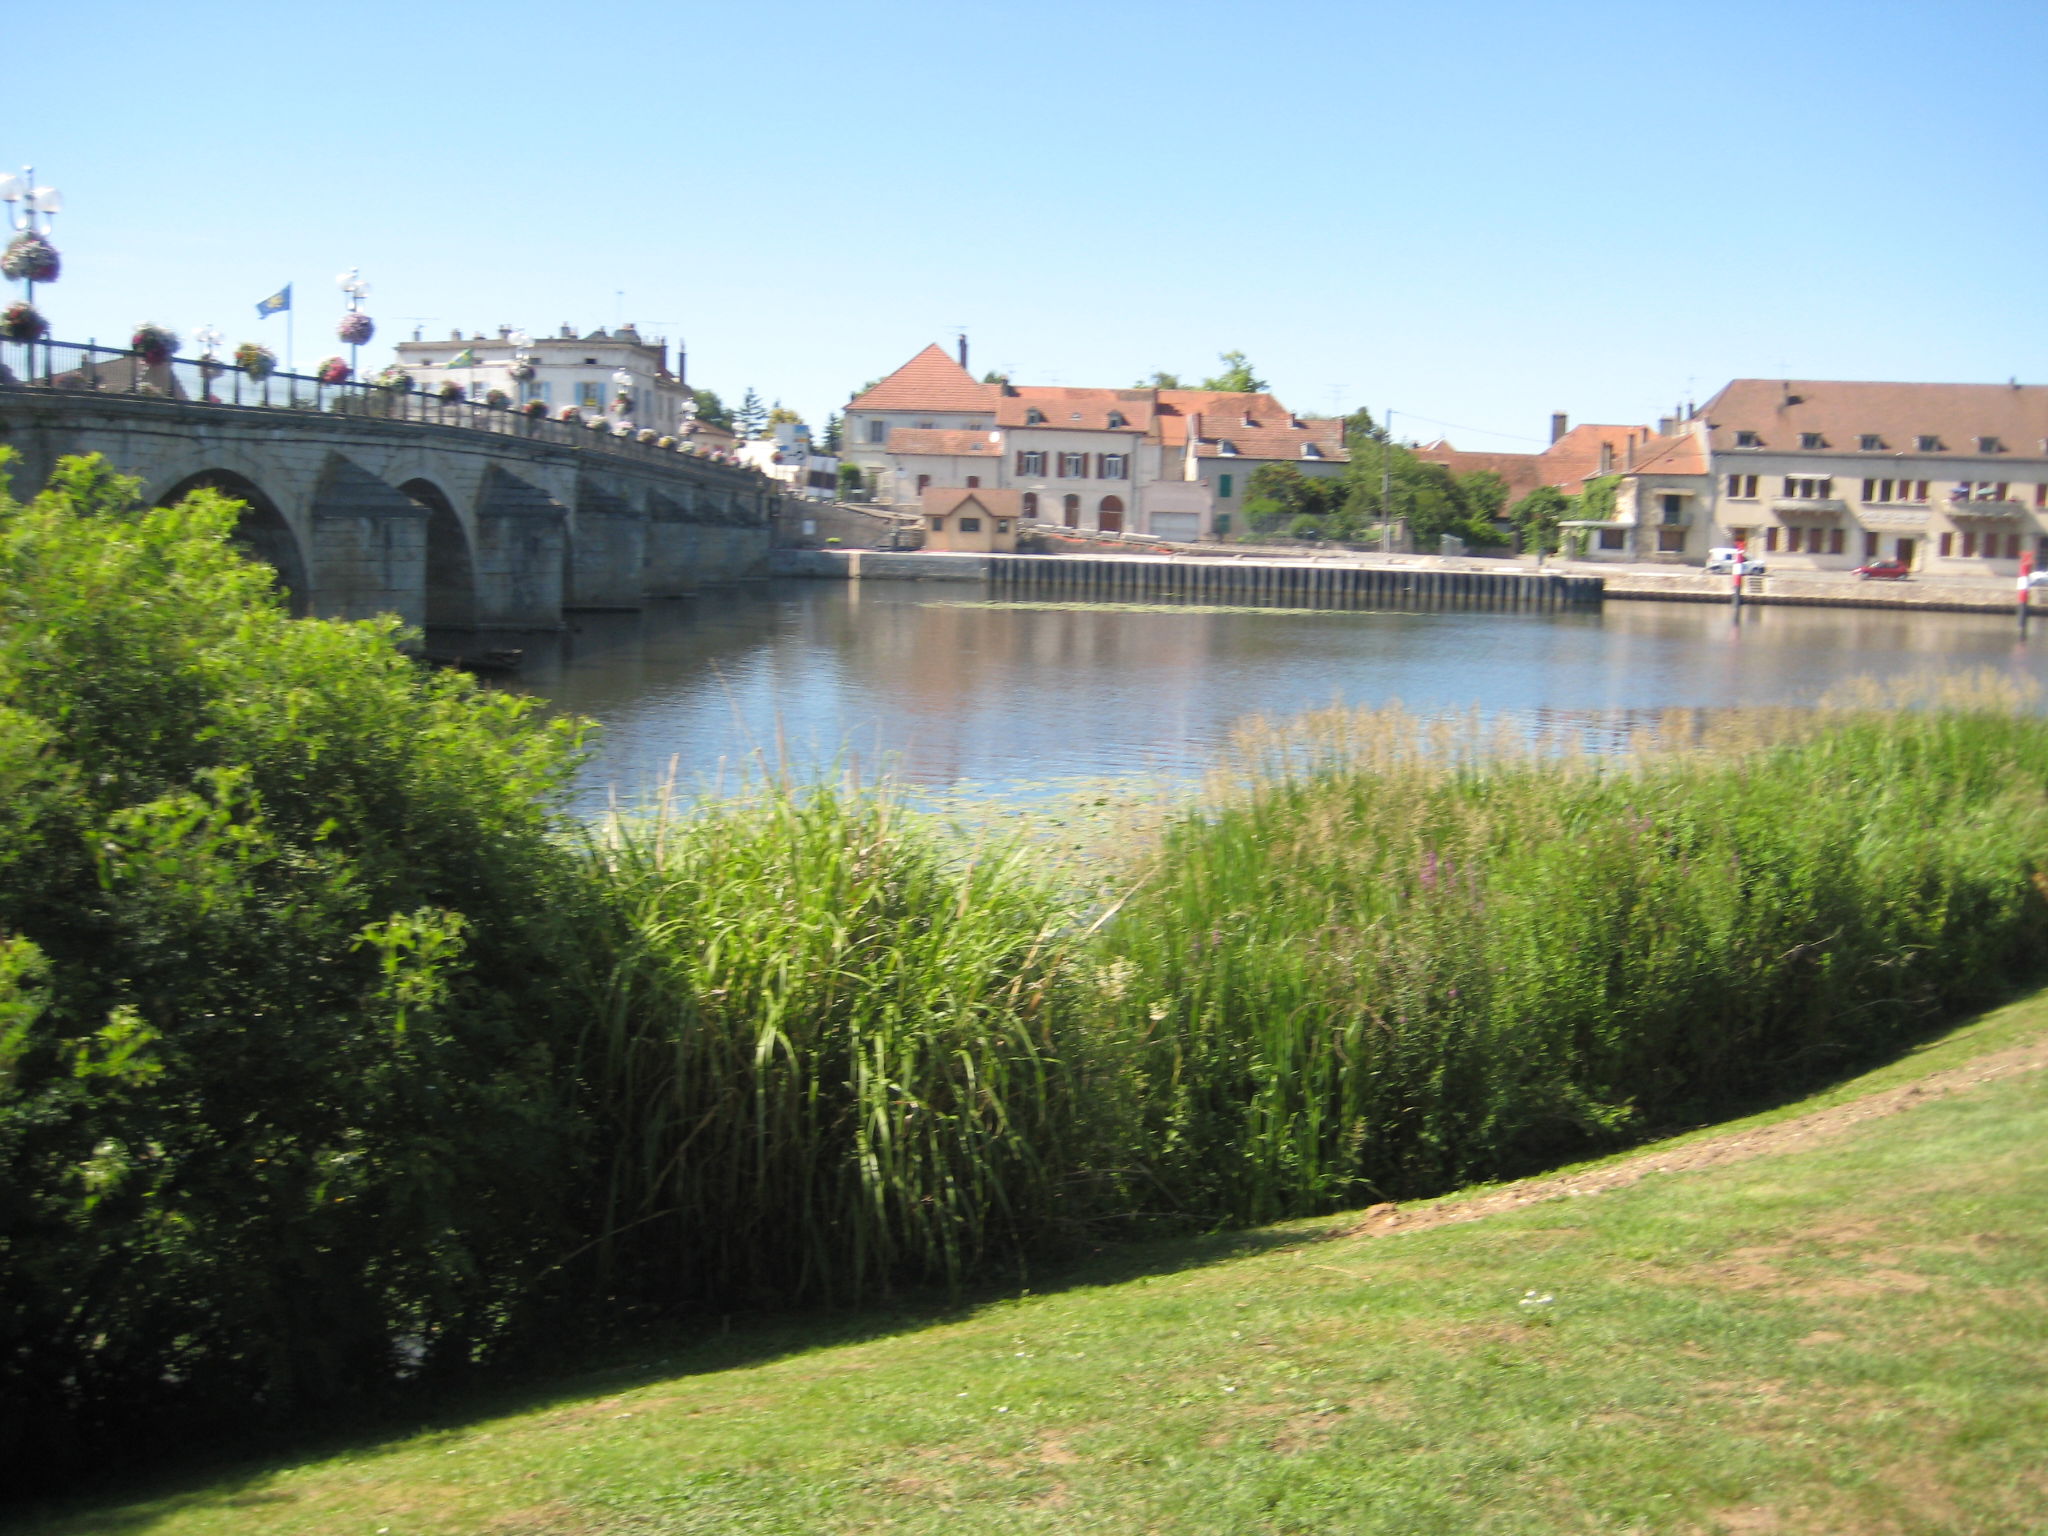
{"type": "Point", "coordinates": [262, 530]}
{"type": "Point", "coordinates": [451, 559]}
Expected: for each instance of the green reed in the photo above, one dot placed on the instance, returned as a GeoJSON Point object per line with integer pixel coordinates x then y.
{"type": "Point", "coordinates": [1394, 956]}
{"type": "Point", "coordinates": [828, 1050]}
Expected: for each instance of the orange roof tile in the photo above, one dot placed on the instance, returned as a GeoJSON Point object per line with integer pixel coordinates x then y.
{"type": "Point", "coordinates": [1523, 472]}
{"type": "Point", "coordinates": [1078, 410]}
{"type": "Point", "coordinates": [1842, 413]}
{"type": "Point", "coordinates": [1274, 435]}
{"type": "Point", "coordinates": [931, 381]}
{"type": "Point", "coordinates": [940, 440]}
{"type": "Point", "coordinates": [1682, 453]}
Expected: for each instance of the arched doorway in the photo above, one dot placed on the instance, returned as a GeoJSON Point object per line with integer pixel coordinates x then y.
{"type": "Point", "coordinates": [1031, 506]}
{"type": "Point", "coordinates": [1109, 517]}
{"type": "Point", "coordinates": [261, 531]}
{"type": "Point", "coordinates": [451, 571]}
{"type": "Point", "coordinates": [1070, 511]}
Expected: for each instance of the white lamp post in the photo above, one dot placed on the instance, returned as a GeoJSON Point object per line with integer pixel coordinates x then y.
{"type": "Point", "coordinates": [31, 211]}
{"type": "Point", "coordinates": [208, 339]}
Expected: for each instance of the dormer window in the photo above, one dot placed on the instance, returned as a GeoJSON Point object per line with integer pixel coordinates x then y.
{"type": "Point", "coordinates": [1748, 440]}
{"type": "Point", "coordinates": [1311, 451]}
{"type": "Point", "coordinates": [1989, 445]}
{"type": "Point", "coordinates": [1226, 447]}
{"type": "Point", "coordinates": [1034, 417]}
{"type": "Point", "coordinates": [1812, 440]}
{"type": "Point", "coordinates": [1116, 419]}
{"type": "Point", "coordinates": [1927, 442]}
{"type": "Point", "coordinates": [1870, 442]}
{"type": "Point", "coordinates": [1248, 419]}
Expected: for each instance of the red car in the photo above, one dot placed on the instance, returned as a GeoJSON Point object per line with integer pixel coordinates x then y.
{"type": "Point", "coordinates": [1885, 570]}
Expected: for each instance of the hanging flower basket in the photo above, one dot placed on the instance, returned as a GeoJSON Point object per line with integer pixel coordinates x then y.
{"type": "Point", "coordinates": [356, 328]}
{"type": "Point", "coordinates": [21, 322]}
{"type": "Point", "coordinates": [622, 402]}
{"type": "Point", "coordinates": [153, 344]}
{"type": "Point", "coordinates": [645, 435]}
{"type": "Point", "coordinates": [534, 409]}
{"type": "Point", "coordinates": [393, 378]}
{"type": "Point", "coordinates": [29, 258]}
{"type": "Point", "coordinates": [257, 362]}
{"type": "Point", "coordinates": [450, 392]}
{"type": "Point", "coordinates": [664, 442]}
{"type": "Point", "coordinates": [570, 414]}
{"type": "Point", "coordinates": [334, 371]}
{"type": "Point", "coordinates": [497, 399]}
{"type": "Point", "coordinates": [598, 424]}
{"type": "Point", "coordinates": [521, 370]}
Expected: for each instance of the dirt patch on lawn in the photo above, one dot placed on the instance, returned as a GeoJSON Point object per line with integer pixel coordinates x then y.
{"type": "Point", "coordinates": [1783, 1136]}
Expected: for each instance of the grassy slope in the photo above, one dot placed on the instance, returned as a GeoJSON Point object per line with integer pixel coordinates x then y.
{"type": "Point", "coordinates": [1848, 1337]}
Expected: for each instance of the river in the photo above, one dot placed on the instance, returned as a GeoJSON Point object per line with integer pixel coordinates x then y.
{"type": "Point", "coordinates": [951, 691]}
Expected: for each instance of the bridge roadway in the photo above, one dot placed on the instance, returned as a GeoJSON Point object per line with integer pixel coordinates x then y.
{"type": "Point", "coordinates": [501, 524]}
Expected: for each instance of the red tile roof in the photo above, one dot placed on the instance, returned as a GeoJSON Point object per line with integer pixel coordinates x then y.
{"type": "Point", "coordinates": [1956, 415]}
{"type": "Point", "coordinates": [1275, 435]}
{"type": "Point", "coordinates": [1522, 471]}
{"type": "Point", "coordinates": [1078, 410]}
{"type": "Point", "coordinates": [931, 381]}
{"type": "Point", "coordinates": [941, 440]}
{"type": "Point", "coordinates": [1682, 453]}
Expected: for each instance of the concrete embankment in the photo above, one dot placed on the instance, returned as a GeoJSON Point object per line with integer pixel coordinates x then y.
{"type": "Point", "coordinates": [1276, 583]}
{"type": "Point", "coordinates": [1985, 595]}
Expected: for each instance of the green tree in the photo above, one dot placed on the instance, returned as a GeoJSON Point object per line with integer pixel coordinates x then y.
{"type": "Point", "coordinates": [1536, 517]}
{"type": "Point", "coordinates": [1485, 492]}
{"type": "Point", "coordinates": [751, 416]}
{"type": "Point", "coordinates": [780, 415]}
{"type": "Point", "coordinates": [852, 487]}
{"type": "Point", "coordinates": [1237, 376]}
{"type": "Point", "coordinates": [1159, 381]}
{"type": "Point", "coordinates": [711, 410]}
{"type": "Point", "coordinates": [835, 433]}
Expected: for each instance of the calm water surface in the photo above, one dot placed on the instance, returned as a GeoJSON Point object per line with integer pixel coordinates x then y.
{"type": "Point", "coordinates": [949, 693]}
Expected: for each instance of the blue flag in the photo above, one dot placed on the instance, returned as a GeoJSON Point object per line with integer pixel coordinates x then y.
{"type": "Point", "coordinates": [282, 299]}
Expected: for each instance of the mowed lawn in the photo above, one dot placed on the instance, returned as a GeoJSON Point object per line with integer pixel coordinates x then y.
{"type": "Point", "coordinates": [1832, 1324]}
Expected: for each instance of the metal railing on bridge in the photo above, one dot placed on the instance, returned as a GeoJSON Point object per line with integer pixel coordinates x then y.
{"type": "Point", "coordinates": [61, 367]}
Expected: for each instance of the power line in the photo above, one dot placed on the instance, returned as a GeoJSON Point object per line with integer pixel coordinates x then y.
{"type": "Point", "coordinates": [1455, 426]}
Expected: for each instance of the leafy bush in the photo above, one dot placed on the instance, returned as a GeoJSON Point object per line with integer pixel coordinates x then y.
{"type": "Point", "coordinates": [282, 1115]}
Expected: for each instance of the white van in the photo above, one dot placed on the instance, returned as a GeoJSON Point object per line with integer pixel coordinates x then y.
{"type": "Point", "coordinates": [1723, 558]}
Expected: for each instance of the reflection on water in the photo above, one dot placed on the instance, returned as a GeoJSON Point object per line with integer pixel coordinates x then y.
{"type": "Point", "coordinates": [944, 690]}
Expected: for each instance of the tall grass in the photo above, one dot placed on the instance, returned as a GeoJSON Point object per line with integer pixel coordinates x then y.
{"type": "Point", "coordinates": [1401, 956]}
{"type": "Point", "coordinates": [831, 1052]}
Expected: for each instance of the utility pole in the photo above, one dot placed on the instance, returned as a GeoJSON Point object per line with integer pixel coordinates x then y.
{"type": "Point", "coordinates": [1387, 484]}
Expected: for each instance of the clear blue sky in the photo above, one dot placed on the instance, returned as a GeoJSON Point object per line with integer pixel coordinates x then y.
{"type": "Point", "coordinates": [1478, 212]}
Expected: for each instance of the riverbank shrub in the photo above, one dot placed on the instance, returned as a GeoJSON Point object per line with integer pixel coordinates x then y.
{"type": "Point", "coordinates": [283, 1109]}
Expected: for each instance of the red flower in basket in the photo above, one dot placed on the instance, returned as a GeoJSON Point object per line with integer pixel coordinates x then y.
{"type": "Point", "coordinates": [153, 344]}
{"type": "Point", "coordinates": [356, 328]}
{"type": "Point", "coordinates": [21, 322]}
{"type": "Point", "coordinates": [334, 371]}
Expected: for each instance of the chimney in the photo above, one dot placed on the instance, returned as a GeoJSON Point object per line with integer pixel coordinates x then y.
{"type": "Point", "coordinates": [1630, 461]}
{"type": "Point", "coordinates": [1606, 457]}
{"type": "Point", "coordinates": [1666, 425]}
{"type": "Point", "coordinates": [1559, 423]}
{"type": "Point", "coordinates": [963, 349]}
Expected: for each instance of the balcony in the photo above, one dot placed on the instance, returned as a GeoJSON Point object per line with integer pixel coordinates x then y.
{"type": "Point", "coordinates": [1809, 506]}
{"type": "Point", "coordinates": [1983, 507]}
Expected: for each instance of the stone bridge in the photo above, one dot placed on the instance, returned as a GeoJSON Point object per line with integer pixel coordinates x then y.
{"type": "Point", "coordinates": [500, 525]}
